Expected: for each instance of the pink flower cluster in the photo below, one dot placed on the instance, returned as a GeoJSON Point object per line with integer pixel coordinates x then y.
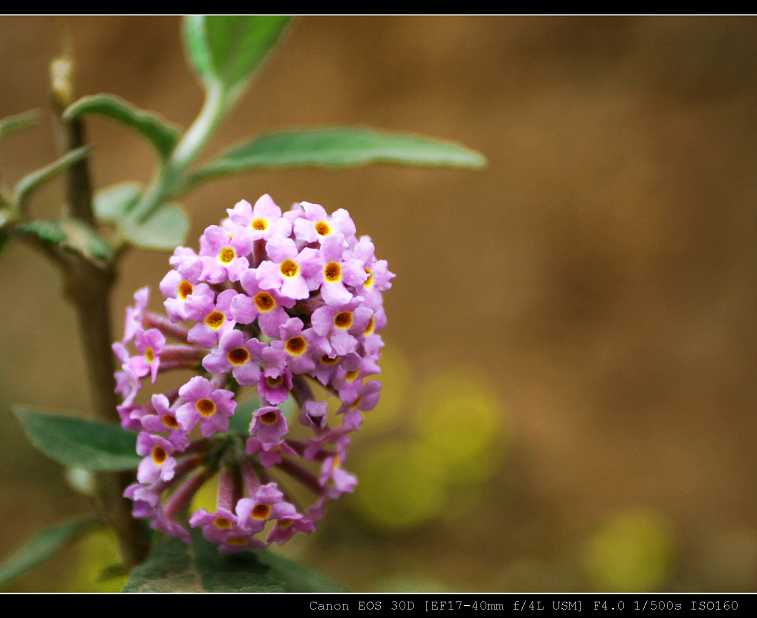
{"type": "Point", "coordinates": [273, 302]}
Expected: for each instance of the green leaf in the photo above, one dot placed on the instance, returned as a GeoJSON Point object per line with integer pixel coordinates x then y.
{"type": "Point", "coordinates": [49, 232]}
{"type": "Point", "coordinates": [30, 182]}
{"type": "Point", "coordinates": [240, 422]}
{"type": "Point", "coordinates": [70, 234]}
{"type": "Point", "coordinates": [112, 203]}
{"type": "Point", "coordinates": [91, 445]}
{"type": "Point", "coordinates": [11, 124]}
{"type": "Point", "coordinates": [226, 50]}
{"type": "Point", "coordinates": [339, 147]}
{"type": "Point", "coordinates": [43, 546]}
{"type": "Point", "coordinates": [168, 568]}
{"type": "Point", "coordinates": [159, 132]}
{"type": "Point", "coordinates": [175, 567]}
{"type": "Point", "coordinates": [164, 230]}
{"type": "Point", "coordinates": [82, 238]}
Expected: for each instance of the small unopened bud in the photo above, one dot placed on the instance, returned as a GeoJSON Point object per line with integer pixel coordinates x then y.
{"type": "Point", "coordinates": [62, 80]}
{"type": "Point", "coordinates": [81, 480]}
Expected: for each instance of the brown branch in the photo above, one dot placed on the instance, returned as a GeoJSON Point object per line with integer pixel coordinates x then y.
{"type": "Point", "coordinates": [71, 135]}
{"type": "Point", "coordinates": [88, 287]}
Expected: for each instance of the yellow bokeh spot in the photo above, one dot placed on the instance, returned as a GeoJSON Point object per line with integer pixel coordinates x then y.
{"type": "Point", "coordinates": [93, 553]}
{"type": "Point", "coordinates": [461, 417]}
{"type": "Point", "coordinates": [395, 382]}
{"type": "Point", "coordinates": [205, 498]}
{"type": "Point", "coordinates": [401, 485]}
{"type": "Point", "coordinates": [633, 551]}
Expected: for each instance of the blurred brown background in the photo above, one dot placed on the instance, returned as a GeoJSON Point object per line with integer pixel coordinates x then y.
{"type": "Point", "coordinates": [570, 391]}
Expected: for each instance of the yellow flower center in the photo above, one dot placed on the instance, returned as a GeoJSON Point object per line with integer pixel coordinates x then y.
{"type": "Point", "coordinates": [296, 346]}
{"type": "Point", "coordinates": [149, 355]}
{"type": "Point", "coordinates": [215, 319]}
{"type": "Point", "coordinates": [206, 407]}
{"type": "Point", "coordinates": [289, 268]}
{"type": "Point", "coordinates": [238, 356]}
{"type": "Point", "coordinates": [371, 326]}
{"type": "Point", "coordinates": [343, 320]}
{"type": "Point", "coordinates": [322, 228]}
{"type": "Point", "coordinates": [236, 540]}
{"type": "Point", "coordinates": [285, 523]}
{"type": "Point", "coordinates": [185, 289]}
{"type": "Point", "coordinates": [368, 283]}
{"type": "Point", "coordinates": [222, 523]}
{"type": "Point", "coordinates": [158, 455]}
{"type": "Point", "coordinates": [169, 422]}
{"type": "Point", "coordinates": [332, 272]}
{"type": "Point", "coordinates": [227, 255]}
{"type": "Point", "coordinates": [265, 302]}
{"type": "Point", "coordinates": [350, 376]}
{"type": "Point", "coordinates": [261, 512]}
{"type": "Point", "coordinates": [259, 223]}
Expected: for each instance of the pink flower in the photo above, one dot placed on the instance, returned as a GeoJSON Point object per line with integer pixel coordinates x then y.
{"type": "Point", "coordinates": [342, 325]}
{"type": "Point", "coordinates": [224, 254]}
{"type": "Point", "coordinates": [200, 402]}
{"type": "Point", "coordinates": [316, 225]}
{"type": "Point", "coordinates": [268, 427]}
{"type": "Point", "coordinates": [290, 273]}
{"type": "Point", "coordinates": [266, 306]}
{"type": "Point", "coordinates": [158, 463]}
{"type": "Point", "coordinates": [135, 315]}
{"type": "Point", "coordinates": [275, 302]}
{"type": "Point", "coordinates": [238, 354]}
{"type": "Point", "coordinates": [262, 221]}
{"type": "Point", "coordinates": [216, 320]}
{"type": "Point", "coordinates": [185, 299]}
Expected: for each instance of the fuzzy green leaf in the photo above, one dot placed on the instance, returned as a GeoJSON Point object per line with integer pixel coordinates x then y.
{"type": "Point", "coordinates": [11, 124]}
{"type": "Point", "coordinates": [175, 567]}
{"type": "Point", "coordinates": [159, 132]}
{"type": "Point", "coordinates": [91, 445]}
{"type": "Point", "coordinates": [49, 232]}
{"type": "Point", "coordinates": [70, 234]}
{"type": "Point", "coordinates": [168, 568]}
{"type": "Point", "coordinates": [44, 546]}
{"type": "Point", "coordinates": [163, 231]}
{"type": "Point", "coordinates": [112, 203]}
{"type": "Point", "coordinates": [339, 147]}
{"type": "Point", "coordinates": [30, 182]}
{"type": "Point", "coordinates": [226, 50]}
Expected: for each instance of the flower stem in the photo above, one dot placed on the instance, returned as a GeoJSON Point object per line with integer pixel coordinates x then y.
{"type": "Point", "coordinates": [170, 180]}
{"type": "Point", "coordinates": [88, 286]}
